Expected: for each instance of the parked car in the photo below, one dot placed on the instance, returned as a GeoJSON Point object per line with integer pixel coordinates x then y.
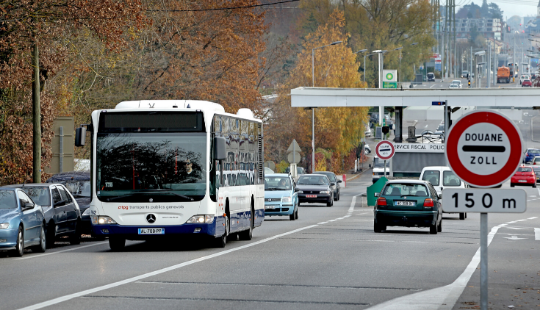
{"type": "Point", "coordinates": [430, 77]}
{"type": "Point", "coordinates": [333, 180]}
{"type": "Point", "coordinates": [60, 210]}
{"type": "Point", "coordinates": [315, 188]}
{"type": "Point", "coordinates": [78, 184]}
{"type": "Point", "coordinates": [368, 132]}
{"type": "Point", "coordinates": [409, 203]}
{"type": "Point", "coordinates": [536, 170]}
{"type": "Point", "coordinates": [524, 176]}
{"type": "Point", "coordinates": [530, 154]}
{"type": "Point", "coordinates": [441, 177]}
{"type": "Point", "coordinates": [22, 223]}
{"type": "Point", "coordinates": [526, 83]}
{"type": "Point", "coordinates": [280, 197]}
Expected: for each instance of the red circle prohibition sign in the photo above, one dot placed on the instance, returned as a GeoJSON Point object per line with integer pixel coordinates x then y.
{"type": "Point", "coordinates": [391, 146]}
{"type": "Point", "coordinates": [514, 159]}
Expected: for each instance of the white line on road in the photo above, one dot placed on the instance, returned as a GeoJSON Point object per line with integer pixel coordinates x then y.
{"type": "Point", "coordinates": [171, 268]}
{"type": "Point", "coordinates": [537, 234]}
{"type": "Point", "coordinates": [442, 298]}
{"type": "Point", "coordinates": [52, 253]}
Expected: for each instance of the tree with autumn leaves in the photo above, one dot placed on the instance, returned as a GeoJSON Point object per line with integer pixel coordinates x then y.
{"type": "Point", "coordinates": [336, 129]}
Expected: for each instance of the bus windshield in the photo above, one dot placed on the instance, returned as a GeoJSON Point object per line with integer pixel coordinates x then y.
{"type": "Point", "coordinates": [151, 167]}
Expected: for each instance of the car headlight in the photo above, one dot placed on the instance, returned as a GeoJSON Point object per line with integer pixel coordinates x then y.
{"type": "Point", "coordinates": [325, 192]}
{"type": "Point", "coordinates": [300, 192]}
{"type": "Point", "coordinates": [201, 219]}
{"type": "Point", "coordinates": [101, 220]}
{"type": "Point", "coordinates": [4, 225]}
{"type": "Point", "coordinates": [87, 212]}
{"type": "Point", "coordinates": [286, 199]}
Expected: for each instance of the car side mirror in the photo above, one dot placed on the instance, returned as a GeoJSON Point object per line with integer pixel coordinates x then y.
{"type": "Point", "coordinates": [80, 136]}
{"type": "Point", "coordinates": [28, 206]}
{"type": "Point", "coordinates": [339, 181]}
{"type": "Point", "coordinates": [376, 195]}
{"type": "Point", "coordinates": [296, 189]}
{"type": "Point", "coordinates": [333, 184]}
{"type": "Point", "coordinates": [59, 203]}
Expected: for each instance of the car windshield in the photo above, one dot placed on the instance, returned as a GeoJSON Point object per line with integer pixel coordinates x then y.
{"type": "Point", "coordinates": [277, 183]}
{"type": "Point", "coordinates": [430, 75]}
{"type": "Point", "coordinates": [78, 188]}
{"type": "Point", "coordinates": [39, 194]}
{"type": "Point", "coordinates": [330, 176]}
{"type": "Point", "coordinates": [432, 176]}
{"type": "Point", "coordinates": [405, 189]}
{"type": "Point", "coordinates": [450, 179]}
{"type": "Point", "coordinates": [313, 180]}
{"type": "Point", "coordinates": [524, 169]}
{"type": "Point", "coordinates": [164, 167]}
{"type": "Point", "coordinates": [7, 200]}
{"type": "Point", "coordinates": [378, 163]}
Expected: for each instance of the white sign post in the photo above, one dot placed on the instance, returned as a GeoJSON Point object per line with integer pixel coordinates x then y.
{"type": "Point", "coordinates": [484, 149]}
{"type": "Point", "coordinates": [385, 150]}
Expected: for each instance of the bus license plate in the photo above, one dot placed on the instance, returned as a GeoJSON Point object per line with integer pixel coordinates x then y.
{"type": "Point", "coordinates": [151, 231]}
{"type": "Point", "coordinates": [311, 196]}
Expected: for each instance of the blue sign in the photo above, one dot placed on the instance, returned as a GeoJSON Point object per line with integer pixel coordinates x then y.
{"type": "Point", "coordinates": [437, 102]}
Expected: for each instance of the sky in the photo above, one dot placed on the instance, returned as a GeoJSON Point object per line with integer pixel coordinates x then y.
{"type": "Point", "coordinates": [511, 8]}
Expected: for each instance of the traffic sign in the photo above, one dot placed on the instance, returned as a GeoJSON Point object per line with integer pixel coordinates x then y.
{"type": "Point", "coordinates": [484, 200]}
{"type": "Point", "coordinates": [484, 148]}
{"type": "Point", "coordinates": [385, 150]}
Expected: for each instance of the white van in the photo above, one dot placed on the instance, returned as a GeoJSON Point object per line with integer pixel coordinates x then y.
{"type": "Point", "coordinates": [442, 177]}
{"type": "Point", "coordinates": [378, 169]}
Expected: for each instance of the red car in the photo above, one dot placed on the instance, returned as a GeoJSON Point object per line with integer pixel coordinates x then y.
{"type": "Point", "coordinates": [526, 83]}
{"type": "Point", "coordinates": [524, 176]}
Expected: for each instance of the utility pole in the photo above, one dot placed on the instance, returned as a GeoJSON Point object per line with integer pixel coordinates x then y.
{"type": "Point", "coordinates": [37, 117]}
{"type": "Point", "coordinates": [488, 75]}
{"type": "Point", "coordinates": [470, 66]}
{"type": "Point", "coordinates": [455, 41]}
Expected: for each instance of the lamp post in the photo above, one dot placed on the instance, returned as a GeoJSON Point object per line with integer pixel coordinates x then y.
{"type": "Point", "coordinates": [381, 108]}
{"type": "Point", "coordinates": [481, 53]}
{"type": "Point", "coordinates": [313, 109]}
{"type": "Point", "coordinates": [363, 51]}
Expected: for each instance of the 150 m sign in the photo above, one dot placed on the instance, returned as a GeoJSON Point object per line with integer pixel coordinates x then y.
{"type": "Point", "coordinates": [484, 200]}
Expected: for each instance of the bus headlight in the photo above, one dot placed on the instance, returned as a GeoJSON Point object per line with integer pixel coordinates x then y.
{"type": "Point", "coordinates": [101, 220]}
{"type": "Point", "coordinates": [201, 219]}
{"type": "Point", "coordinates": [286, 199]}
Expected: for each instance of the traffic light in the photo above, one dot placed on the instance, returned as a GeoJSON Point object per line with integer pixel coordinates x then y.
{"type": "Point", "coordinates": [385, 129]}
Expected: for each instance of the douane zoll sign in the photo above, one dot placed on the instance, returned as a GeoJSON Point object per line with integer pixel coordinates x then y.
{"type": "Point", "coordinates": [484, 148]}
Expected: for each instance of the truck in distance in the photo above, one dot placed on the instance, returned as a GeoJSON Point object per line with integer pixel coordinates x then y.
{"type": "Point", "coordinates": [503, 74]}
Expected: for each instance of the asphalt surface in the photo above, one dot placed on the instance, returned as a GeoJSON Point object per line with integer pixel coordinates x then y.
{"type": "Point", "coordinates": [329, 258]}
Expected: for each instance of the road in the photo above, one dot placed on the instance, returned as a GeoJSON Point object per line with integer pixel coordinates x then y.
{"type": "Point", "coordinates": [329, 258]}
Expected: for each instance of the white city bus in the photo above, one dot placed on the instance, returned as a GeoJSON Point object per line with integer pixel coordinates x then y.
{"type": "Point", "coordinates": [169, 168]}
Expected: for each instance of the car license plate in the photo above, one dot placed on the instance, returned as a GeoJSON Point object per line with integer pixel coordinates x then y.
{"type": "Point", "coordinates": [269, 207]}
{"type": "Point", "coordinates": [522, 181]}
{"type": "Point", "coordinates": [151, 231]}
{"type": "Point", "coordinates": [311, 196]}
{"type": "Point", "coordinates": [405, 203]}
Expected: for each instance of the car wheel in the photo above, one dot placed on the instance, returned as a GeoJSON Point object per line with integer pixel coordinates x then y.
{"type": "Point", "coordinates": [51, 235]}
{"type": "Point", "coordinates": [439, 227]}
{"type": "Point", "coordinates": [433, 229]}
{"type": "Point", "coordinates": [19, 247]}
{"type": "Point", "coordinates": [75, 238]}
{"type": "Point", "coordinates": [116, 243]}
{"type": "Point", "coordinates": [512, 185]}
{"type": "Point", "coordinates": [378, 228]}
{"type": "Point", "coordinates": [534, 185]}
{"type": "Point", "coordinates": [42, 247]}
{"type": "Point", "coordinates": [462, 216]}
{"type": "Point", "coordinates": [330, 202]}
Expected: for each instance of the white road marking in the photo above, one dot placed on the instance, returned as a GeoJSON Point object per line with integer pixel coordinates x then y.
{"type": "Point", "coordinates": [537, 234]}
{"type": "Point", "coordinates": [170, 268]}
{"type": "Point", "coordinates": [441, 298]}
{"type": "Point", "coordinates": [52, 253]}
{"type": "Point", "coordinates": [514, 238]}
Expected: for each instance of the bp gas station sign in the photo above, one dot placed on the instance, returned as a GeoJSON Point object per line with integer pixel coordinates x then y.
{"type": "Point", "coordinates": [390, 79]}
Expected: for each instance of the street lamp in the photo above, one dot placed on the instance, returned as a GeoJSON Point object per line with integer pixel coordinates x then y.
{"type": "Point", "coordinates": [313, 109]}
{"type": "Point", "coordinates": [363, 51]}
{"type": "Point", "coordinates": [480, 53]}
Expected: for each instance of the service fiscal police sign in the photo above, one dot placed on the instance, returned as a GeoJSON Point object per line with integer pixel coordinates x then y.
{"type": "Point", "coordinates": [484, 148]}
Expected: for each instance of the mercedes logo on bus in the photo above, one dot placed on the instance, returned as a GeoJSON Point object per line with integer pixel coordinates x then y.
{"type": "Point", "coordinates": [151, 218]}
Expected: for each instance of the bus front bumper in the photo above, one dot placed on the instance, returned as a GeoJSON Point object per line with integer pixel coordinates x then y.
{"type": "Point", "coordinates": [216, 228]}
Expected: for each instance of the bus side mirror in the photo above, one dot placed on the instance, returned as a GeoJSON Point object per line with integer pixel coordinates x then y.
{"type": "Point", "coordinates": [80, 136]}
{"type": "Point", "coordinates": [220, 152]}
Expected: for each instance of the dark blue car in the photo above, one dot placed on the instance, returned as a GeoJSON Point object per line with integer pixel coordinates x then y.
{"type": "Point", "coordinates": [530, 154]}
{"type": "Point", "coordinates": [22, 223]}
